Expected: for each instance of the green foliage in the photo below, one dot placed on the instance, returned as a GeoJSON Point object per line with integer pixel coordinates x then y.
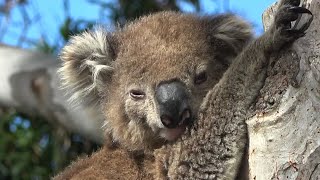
{"type": "Point", "coordinates": [33, 149]}
{"type": "Point", "coordinates": [67, 29]}
{"type": "Point", "coordinates": [72, 27]}
{"type": "Point", "coordinates": [43, 46]}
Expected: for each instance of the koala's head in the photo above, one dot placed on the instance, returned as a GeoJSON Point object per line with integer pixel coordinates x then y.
{"type": "Point", "coordinates": [151, 76]}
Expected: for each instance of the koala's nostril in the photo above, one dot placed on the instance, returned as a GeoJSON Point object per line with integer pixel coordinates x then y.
{"type": "Point", "coordinates": [167, 121]}
{"type": "Point", "coordinates": [185, 117]}
{"type": "Point", "coordinates": [170, 122]}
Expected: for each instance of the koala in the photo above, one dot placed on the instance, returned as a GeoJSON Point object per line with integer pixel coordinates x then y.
{"type": "Point", "coordinates": [150, 77]}
{"type": "Point", "coordinates": [147, 77]}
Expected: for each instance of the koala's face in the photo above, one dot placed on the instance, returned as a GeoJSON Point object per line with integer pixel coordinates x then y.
{"type": "Point", "coordinates": [151, 76]}
{"type": "Point", "coordinates": [164, 100]}
{"type": "Point", "coordinates": [162, 74]}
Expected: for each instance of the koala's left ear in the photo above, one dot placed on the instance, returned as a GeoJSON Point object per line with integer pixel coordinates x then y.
{"type": "Point", "coordinates": [88, 65]}
{"type": "Point", "coordinates": [231, 32]}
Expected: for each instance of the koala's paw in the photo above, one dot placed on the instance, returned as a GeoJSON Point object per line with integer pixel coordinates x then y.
{"type": "Point", "coordinates": [288, 12]}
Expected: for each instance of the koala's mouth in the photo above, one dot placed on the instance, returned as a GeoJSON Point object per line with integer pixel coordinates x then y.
{"type": "Point", "coordinates": [171, 134]}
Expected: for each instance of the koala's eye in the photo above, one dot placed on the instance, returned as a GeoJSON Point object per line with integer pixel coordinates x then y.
{"type": "Point", "coordinates": [137, 94]}
{"type": "Point", "coordinates": [200, 78]}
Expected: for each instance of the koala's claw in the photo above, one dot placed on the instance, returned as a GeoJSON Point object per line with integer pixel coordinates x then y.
{"type": "Point", "coordinates": [291, 2]}
{"type": "Point", "coordinates": [306, 25]}
{"type": "Point", "coordinates": [295, 32]}
{"type": "Point", "coordinates": [297, 9]}
{"type": "Point", "coordinates": [288, 13]}
{"type": "Point", "coordinates": [288, 23]}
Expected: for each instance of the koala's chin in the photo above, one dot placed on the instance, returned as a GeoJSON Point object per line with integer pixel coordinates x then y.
{"type": "Point", "coordinates": [172, 134]}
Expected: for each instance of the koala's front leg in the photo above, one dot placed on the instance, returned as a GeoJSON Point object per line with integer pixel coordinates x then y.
{"type": "Point", "coordinates": [282, 32]}
{"type": "Point", "coordinates": [251, 65]}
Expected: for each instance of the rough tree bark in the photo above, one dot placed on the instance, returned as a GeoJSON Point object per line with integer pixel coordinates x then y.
{"type": "Point", "coordinates": [29, 82]}
{"type": "Point", "coordinates": [285, 129]}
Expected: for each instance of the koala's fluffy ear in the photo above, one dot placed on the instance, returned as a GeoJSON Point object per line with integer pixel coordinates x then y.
{"type": "Point", "coordinates": [232, 32]}
{"type": "Point", "coordinates": [87, 65]}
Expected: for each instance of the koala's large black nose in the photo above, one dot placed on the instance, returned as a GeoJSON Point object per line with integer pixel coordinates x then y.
{"type": "Point", "coordinates": [173, 103]}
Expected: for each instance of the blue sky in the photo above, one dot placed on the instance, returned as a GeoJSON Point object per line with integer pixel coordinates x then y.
{"type": "Point", "coordinates": [52, 15]}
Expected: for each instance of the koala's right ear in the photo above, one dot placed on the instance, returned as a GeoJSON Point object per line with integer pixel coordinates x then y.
{"type": "Point", "coordinates": [88, 65]}
{"type": "Point", "coordinates": [232, 32]}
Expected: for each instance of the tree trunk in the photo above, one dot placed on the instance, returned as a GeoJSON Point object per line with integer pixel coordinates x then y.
{"type": "Point", "coordinates": [29, 82]}
{"type": "Point", "coordinates": [285, 129]}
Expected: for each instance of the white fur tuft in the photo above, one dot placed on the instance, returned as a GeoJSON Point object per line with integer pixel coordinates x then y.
{"type": "Point", "coordinates": [86, 63]}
